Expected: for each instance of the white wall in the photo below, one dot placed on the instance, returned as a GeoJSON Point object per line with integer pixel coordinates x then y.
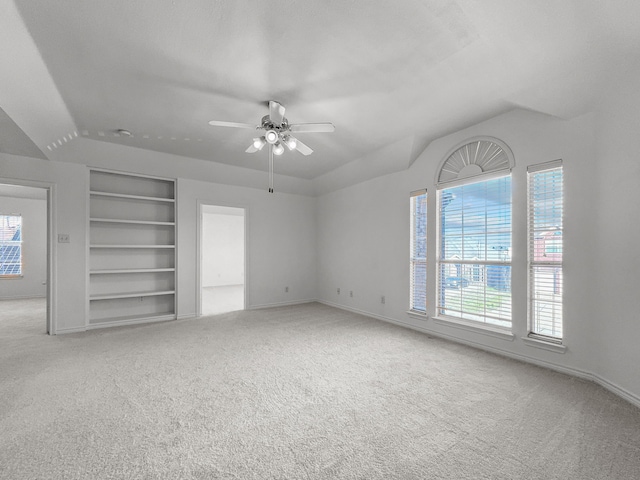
{"type": "Point", "coordinates": [34, 248]}
{"type": "Point", "coordinates": [363, 237]}
{"type": "Point", "coordinates": [222, 249]}
{"type": "Point", "coordinates": [616, 305]}
{"type": "Point", "coordinates": [280, 243]}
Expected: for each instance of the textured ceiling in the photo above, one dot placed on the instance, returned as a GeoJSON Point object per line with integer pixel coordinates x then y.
{"type": "Point", "coordinates": [402, 72]}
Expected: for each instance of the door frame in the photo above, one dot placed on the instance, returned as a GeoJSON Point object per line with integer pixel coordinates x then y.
{"type": "Point", "coordinates": [51, 312]}
{"type": "Point", "coordinates": [201, 205]}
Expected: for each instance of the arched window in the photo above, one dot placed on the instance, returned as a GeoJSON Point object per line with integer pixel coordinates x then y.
{"type": "Point", "coordinates": [474, 233]}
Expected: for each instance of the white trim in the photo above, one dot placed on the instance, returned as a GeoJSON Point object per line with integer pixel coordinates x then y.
{"type": "Point", "coordinates": [279, 304]}
{"type": "Point", "coordinates": [23, 297]}
{"type": "Point", "coordinates": [124, 323]}
{"type": "Point", "coordinates": [532, 263]}
{"type": "Point", "coordinates": [64, 331]}
{"type": "Point", "coordinates": [131, 174]}
{"type": "Point", "coordinates": [479, 138]}
{"type": "Point", "coordinates": [376, 316]}
{"type": "Point", "coordinates": [550, 346]}
{"type": "Point", "coordinates": [176, 251]}
{"type": "Point", "coordinates": [476, 327]}
{"type": "Point", "coordinates": [482, 177]}
{"type": "Point", "coordinates": [417, 193]}
{"type": "Point", "coordinates": [615, 389]}
{"type": "Point", "coordinates": [418, 315]}
{"type": "Point", "coordinates": [597, 379]}
{"type": "Point", "coordinates": [199, 215]}
{"type": "Point", "coordinates": [544, 166]}
{"type": "Point", "coordinates": [52, 246]}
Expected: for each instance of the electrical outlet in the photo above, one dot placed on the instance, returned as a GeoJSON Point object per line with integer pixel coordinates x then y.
{"type": "Point", "coordinates": [63, 238]}
{"type": "Point", "coordinates": [382, 299]}
{"type": "Point", "coordinates": [338, 291]}
{"type": "Point", "coordinates": [286, 289]}
{"type": "Point", "coordinates": [351, 293]}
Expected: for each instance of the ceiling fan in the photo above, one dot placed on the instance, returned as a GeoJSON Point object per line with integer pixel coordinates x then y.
{"type": "Point", "coordinates": [277, 134]}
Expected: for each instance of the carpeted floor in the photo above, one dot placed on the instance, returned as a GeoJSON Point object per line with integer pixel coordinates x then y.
{"type": "Point", "coordinates": [302, 392]}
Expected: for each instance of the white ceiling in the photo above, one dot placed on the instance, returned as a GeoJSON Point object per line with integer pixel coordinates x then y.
{"type": "Point", "coordinates": [385, 73]}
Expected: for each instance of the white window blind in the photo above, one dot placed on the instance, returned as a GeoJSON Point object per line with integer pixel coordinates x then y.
{"type": "Point", "coordinates": [10, 245]}
{"type": "Point", "coordinates": [418, 252]}
{"type": "Point", "coordinates": [474, 257]}
{"type": "Point", "coordinates": [546, 197]}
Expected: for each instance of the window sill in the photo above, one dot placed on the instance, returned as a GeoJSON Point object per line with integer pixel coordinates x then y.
{"type": "Point", "coordinates": [496, 332]}
{"type": "Point", "coordinates": [545, 345]}
{"type": "Point", "coordinates": [418, 315]}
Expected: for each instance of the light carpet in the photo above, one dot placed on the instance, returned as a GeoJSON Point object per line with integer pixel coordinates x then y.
{"type": "Point", "coordinates": [300, 392]}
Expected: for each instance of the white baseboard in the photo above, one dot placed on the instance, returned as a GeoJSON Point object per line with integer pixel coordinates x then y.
{"type": "Point", "coordinates": [279, 304]}
{"type": "Point", "coordinates": [124, 323]}
{"type": "Point", "coordinates": [64, 331]}
{"type": "Point", "coordinates": [22, 297]}
{"type": "Point", "coordinates": [621, 392]}
{"type": "Point", "coordinates": [613, 388]}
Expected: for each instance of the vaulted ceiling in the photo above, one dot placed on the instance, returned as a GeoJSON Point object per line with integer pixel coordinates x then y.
{"type": "Point", "coordinates": [391, 76]}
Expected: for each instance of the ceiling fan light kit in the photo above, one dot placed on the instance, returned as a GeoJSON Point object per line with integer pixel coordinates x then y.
{"type": "Point", "coordinates": [278, 149]}
{"type": "Point", "coordinates": [259, 142]}
{"type": "Point", "coordinates": [290, 142]}
{"type": "Point", "coordinates": [277, 134]}
{"type": "Point", "coordinates": [272, 137]}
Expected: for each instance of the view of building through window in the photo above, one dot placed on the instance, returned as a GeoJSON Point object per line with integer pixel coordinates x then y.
{"type": "Point", "coordinates": [10, 245]}
{"type": "Point", "coordinates": [474, 261]}
{"type": "Point", "coordinates": [545, 251]}
{"type": "Point", "coordinates": [418, 252]}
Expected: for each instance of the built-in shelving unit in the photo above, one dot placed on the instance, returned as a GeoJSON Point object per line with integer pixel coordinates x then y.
{"type": "Point", "coordinates": [132, 235]}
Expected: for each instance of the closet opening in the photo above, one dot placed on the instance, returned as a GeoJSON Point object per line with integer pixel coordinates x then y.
{"type": "Point", "coordinates": [221, 259]}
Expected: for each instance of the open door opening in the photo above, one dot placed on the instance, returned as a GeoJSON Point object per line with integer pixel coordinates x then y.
{"type": "Point", "coordinates": [24, 260]}
{"type": "Point", "coordinates": [222, 259]}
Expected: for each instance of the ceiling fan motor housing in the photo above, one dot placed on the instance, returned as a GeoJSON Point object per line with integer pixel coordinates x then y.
{"type": "Point", "coordinates": [267, 124]}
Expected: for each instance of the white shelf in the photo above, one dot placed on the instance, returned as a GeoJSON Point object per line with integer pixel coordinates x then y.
{"type": "Point", "coordinates": [113, 296]}
{"type": "Point", "coordinates": [132, 246]}
{"type": "Point", "coordinates": [134, 222]}
{"type": "Point", "coordinates": [131, 270]}
{"type": "Point", "coordinates": [132, 227]}
{"type": "Point", "coordinates": [131, 197]}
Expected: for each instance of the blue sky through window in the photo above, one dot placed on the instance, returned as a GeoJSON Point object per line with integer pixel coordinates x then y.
{"type": "Point", "coordinates": [476, 221]}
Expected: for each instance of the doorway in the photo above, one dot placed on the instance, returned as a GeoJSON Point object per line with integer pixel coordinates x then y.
{"type": "Point", "coordinates": [25, 269]}
{"type": "Point", "coordinates": [222, 259]}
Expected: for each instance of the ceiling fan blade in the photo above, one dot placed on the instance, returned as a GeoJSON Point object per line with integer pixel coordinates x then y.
{"type": "Point", "coordinates": [276, 112]}
{"type": "Point", "coordinates": [302, 148]}
{"type": "Point", "coordinates": [312, 127]}
{"type": "Point", "coordinates": [252, 149]}
{"type": "Point", "coordinates": [217, 123]}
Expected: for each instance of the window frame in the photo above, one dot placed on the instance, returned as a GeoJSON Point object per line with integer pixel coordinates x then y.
{"type": "Point", "coordinates": [413, 259]}
{"type": "Point", "coordinates": [8, 243]}
{"type": "Point", "coordinates": [484, 322]}
{"type": "Point", "coordinates": [554, 262]}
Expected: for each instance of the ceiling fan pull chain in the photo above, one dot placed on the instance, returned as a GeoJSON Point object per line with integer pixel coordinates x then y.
{"type": "Point", "coordinates": [270, 168]}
